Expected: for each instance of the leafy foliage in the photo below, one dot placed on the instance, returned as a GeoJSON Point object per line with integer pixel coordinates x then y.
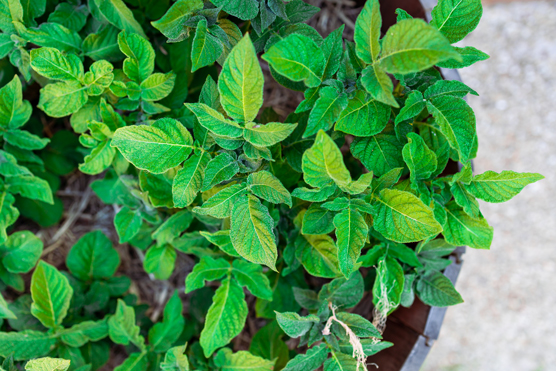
{"type": "Point", "coordinates": [355, 180]}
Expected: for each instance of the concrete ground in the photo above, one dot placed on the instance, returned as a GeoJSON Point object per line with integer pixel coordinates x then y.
{"type": "Point", "coordinates": [508, 320]}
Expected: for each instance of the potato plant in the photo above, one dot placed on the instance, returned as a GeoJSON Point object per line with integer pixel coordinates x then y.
{"type": "Point", "coordinates": [289, 221]}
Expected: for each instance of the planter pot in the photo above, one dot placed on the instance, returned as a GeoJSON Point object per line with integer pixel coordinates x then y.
{"type": "Point", "coordinates": [414, 330]}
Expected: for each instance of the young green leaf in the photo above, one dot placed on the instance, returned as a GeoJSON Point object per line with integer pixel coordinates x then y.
{"type": "Point", "coordinates": [455, 19]}
{"type": "Point", "coordinates": [175, 359]}
{"type": "Point", "coordinates": [206, 47]}
{"type": "Point", "coordinates": [127, 223]}
{"type": "Point", "coordinates": [412, 45]}
{"type": "Point", "coordinates": [312, 360]}
{"type": "Point", "coordinates": [62, 98]}
{"type": "Point", "coordinates": [377, 83]}
{"type": "Point", "coordinates": [351, 234]}
{"type": "Point", "coordinates": [160, 260]}
{"type": "Point", "coordinates": [267, 135]}
{"type": "Point", "coordinates": [326, 110]}
{"type": "Point", "coordinates": [294, 325]}
{"type": "Point", "coordinates": [420, 160]}
{"type": "Point", "coordinates": [457, 122]}
{"type": "Point", "coordinates": [380, 153]}
{"type": "Point", "coordinates": [463, 230]}
{"type": "Point", "coordinates": [189, 179]}
{"type": "Point", "coordinates": [252, 276]}
{"type": "Point", "coordinates": [220, 205]}
{"type": "Point", "coordinates": [266, 186]}
{"type": "Point", "coordinates": [51, 294]}
{"type": "Point", "coordinates": [493, 187]}
{"type": "Point", "coordinates": [47, 363]}
{"type": "Point", "coordinates": [435, 289]}
{"type": "Point", "coordinates": [208, 269]}
{"type": "Point", "coordinates": [156, 148]}
{"type": "Point", "coordinates": [20, 252]}
{"type": "Point", "coordinates": [367, 32]}
{"type": "Point", "coordinates": [298, 58]}
{"type": "Point", "coordinates": [120, 16]}
{"type": "Point", "coordinates": [251, 231]}
{"type": "Point", "coordinates": [221, 168]}
{"type": "Point", "coordinates": [241, 82]}
{"type": "Point", "coordinates": [225, 318]}
{"type": "Point", "coordinates": [318, 255]}
{"type": "Point", "coordinates": [414, 104]}
{"type": "Point", "coordinates": [363, 117]}
{"type": "Point", "coordinates": [242, 360]}
{"type": "Point", "coordinates": [317, 220]}
{"type": "Point", "coordinates": [402, 217]}
{"type": "Point", "coordinates": [323, 164]}
{"type": "Point", "coordinates": [469, 55]}
{"type": "Point", "coordinates": [52, 64]}
{"type": "Point", "coordinates": [163, 334]}
{"type": "Point", "coordinates": [122, 327]}
{"type": "Point", "coordinates": [139, 63]}
{"type": "Point", "coordinates": [93, 257]}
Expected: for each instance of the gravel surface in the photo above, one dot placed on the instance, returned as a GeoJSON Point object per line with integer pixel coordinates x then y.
{"type": "Point", "coordinates": [508, 320]}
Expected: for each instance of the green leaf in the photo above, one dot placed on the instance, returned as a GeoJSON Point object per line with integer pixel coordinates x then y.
{"type": "Point", "coordinates": [10, 11]}
{"type": "Point", "coordinates": [359, 325]}
{"type": "Point", "coordinates": [225, 318]}
{"type": "Point", "coordinates": [242, 360]}
{"type": "Point", "coordinates": [160, 261]}
{"type": "Point", "coordinates": [267, 135]}
{"type": "Point", "coordinates": [463, 230]}
{"type": "Point", "coordinates": [103, 45]}
{"type": "Point", "coordinates": [163, 334]}
{"type": "Point", "coordinates": [47, 364]}
{"type": "Point", "coordinates": [100, 158]}
{"type": "Point", "coordinates": [139, 63]}
{"type": "Point", "coordinates": [62, 98]}
{"type": "Point", "coordinates": [266, 186]}
{"type": "Point", "coordinates": [469, 55]}
{"type": "Point", "coordinates": [5, 312]}
{"type": "Point", "coordinates": [362, 116]}
{"type": "Point", "coordinates": [435, 289]}
{"type": "Point", "coordinates": [380, 153]}
{"type": "Point", "coordinates": [326, 110]}
{"type": "Point", "coordinates": [157, 86]}
{"type": "Point", "coordinates": [420, 160]}
{"type": "Point", "coordinates": [6, 45]}
{"type": "Point", "coordinates": [120, 16]}
{"type": "Point", "coordinates": [173, 226]}
{"type": "Point", "coordinates": [52, 64]}
{"type": "Point", "coordinates": [122, 327]}
{"type": "Point", "coordinates": [241, 82]}
{"type": "Point", "coordinates": [341, 361]}
{"type": "Point", "coordinates": [402, 217]}
{"type": "Point", "coordinates": [457, 122]}
{"type": "Point", "coordinates": [128, 223]}
{"type": "Point", "coordinates": [318, 254]}
{"type": "Point", "coordinates": [252, 276]}
{"type": "Point", "coordinates": [20, 252]}
{"type": "Point", "coordinates": [245, 10]}
{"type": "Point", "coordinates": [456, 18]}
{"type": "Point", "coordinates": [465, 199]}
{"type": "Point", "coordinates": [317, 220]}
{"type": "Point", "coordinates": [388, 286]}
{"type": "Point", "coordinates": [445, 87]}
{"type": "Point", "coordinates": [189, 179]}
{"type": "Point", "coordinates": [377, 83]}
{"type": "Point", "coordinates": [26, 345]}
{"type": "Point", "coordinates": [314, 195]}
{"type": "Point", "coordinates": [135, 362]}
{"type": "Point", "coordinates": [412, 45]}
{"type": "Point", "coordinates": [53, 35]}
{"type": "Point", "coordinates": [493, 187]}
{"type": "Point", "coordinates": [156, 148]}
{"type": "Point", "coordinates": [323, 163]}
{"type": "Point", "coordinates": [14, 112]}
{"type": "Point", "coordinates": [175, 359]}
{"type": "Point", "coordinates": [206, 47]}
{"type": "Point", "coordinates": [93, 257]}
{"type": "Point", "coordinates": [208, 269]}
{"type": "Point", "coordinates": [31, 187]}
{"type": "Point", "coordinates": [298, 58]}
{"type": "Point", "coordinates": [51, 294]}
{"type": "Point", "coordinates": [251, 231]}
{"type": "Point", "coordinates": [294, 325]}
{"type": "Point", "coordinates": [172, 23]}
{"type": "Point", "coordinates": [220, 205]}
{"type": "Point", "coordinates": [414, 104]}
{"type": "Point", "coordinates": [81, 333]}
{"type": "Point", "coordinates": [351, 234]}
{"type": "Point", "coordinates": [214, 121]}
{"type": "Point", "coordinates": [25, 140]}
{"type": "Point", "coordinates": [221, 168]}
{"type": "Point", "coordinates": [367, 32]}
{"type": "Point", "coordinates": [312, 360]}
{"type": "Point", "coordinates": [99, 77]}
{"type": "Point", "coordinates": [332, 48]}
{"type": "Point", "coordinates": [70, 16]}
{"type": "Point", "coordinates": [8, 213]}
